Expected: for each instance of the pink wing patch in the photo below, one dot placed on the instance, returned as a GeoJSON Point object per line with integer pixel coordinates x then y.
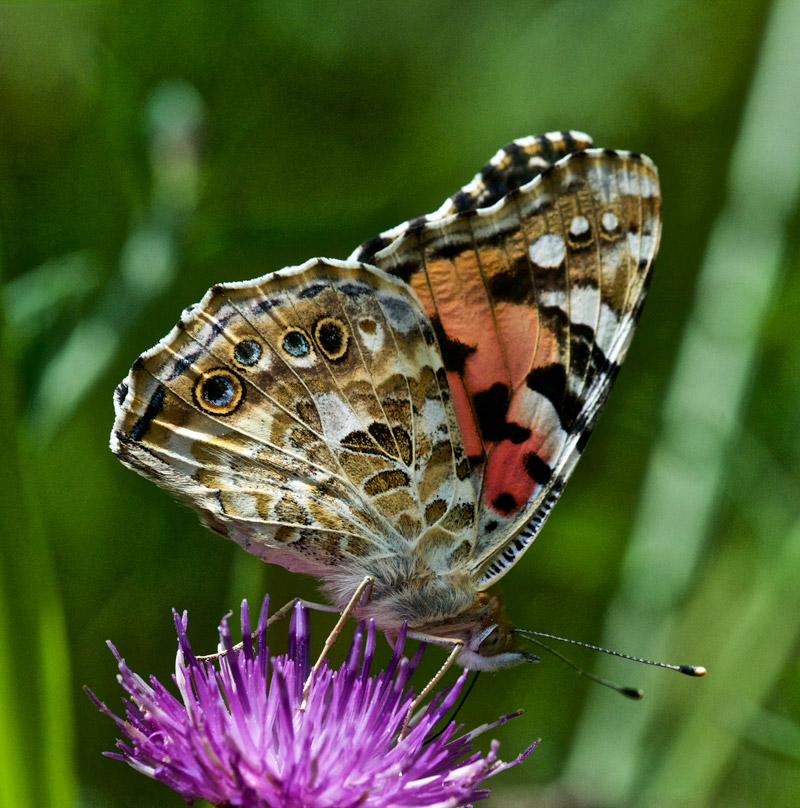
{"type": "Point", "coordinates": [533, 277]}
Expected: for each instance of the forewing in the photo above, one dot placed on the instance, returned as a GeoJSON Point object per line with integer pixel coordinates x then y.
{"type": "Point", "coordinates": [513, 166]}
{"type": "Point", "coordinates": [306, 415]}
{"type": "Point", "coordinates": [533, 300]}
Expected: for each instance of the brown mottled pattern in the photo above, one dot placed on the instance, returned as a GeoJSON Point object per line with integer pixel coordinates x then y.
{"type": "Point", "coordinates": [334, 441]}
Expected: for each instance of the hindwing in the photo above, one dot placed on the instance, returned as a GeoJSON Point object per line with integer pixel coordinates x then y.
{"type": "Point", "coordinates": [306, 415]}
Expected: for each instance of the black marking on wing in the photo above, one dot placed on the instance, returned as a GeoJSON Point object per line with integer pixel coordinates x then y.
{"type": "Point", "coordinates": [374, 245]}
{"type": "Point", "coordinates": [354, 289]}
{"type": "Point", "coordinates": [452, 249]}
{"type": "Point", "coordinates": [491, 412]}
{"type": "Point", "coordinates": [454, 352]}
{"type": "Point", "coordinates": [491, 407]}
{"type": "Point", "coordinates": [263, 306]}
{"type": "Point", "coordinates": [312, 291]}
{"type": "Point", "coordinates": [551, 382]}
{"type": "Point", "coordinates": [537, 469]}
{"type": "Point", "coordinates": [153, 408]}
{"type": "Point", "coordinates": [183, 363]}
{"type": "Point", "coordinates": [525, 536]}
{"type": "Point", "coordinates": [405, 270]}
{"type": "Point", "coordinates": [505, 503]}
{"type": "Point", "coordinates": [513, 285]}
{"type": "Point", "coordinates": [121, 392]}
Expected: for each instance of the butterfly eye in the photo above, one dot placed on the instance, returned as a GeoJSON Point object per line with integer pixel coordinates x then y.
{"type": "Point", "coordinates": [331, 336]}
{"type": "Point", "coordinates": [247, 352]}
{"type": "Point", "coordinates": [219, 392]}
{"type": "Point", "coordinates": [493, 643]}
{"type": "Point", "coordinates": [296, 344]}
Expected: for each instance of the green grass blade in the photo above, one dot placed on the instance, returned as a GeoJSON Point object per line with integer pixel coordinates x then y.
{"type": "Point", "coordinates": [705, 404]}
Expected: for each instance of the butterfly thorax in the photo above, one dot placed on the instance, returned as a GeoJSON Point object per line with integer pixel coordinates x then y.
{"type": "Point", "coordinates": [419, 596]}
{"type": "Point", "coordinates": [448, 606]}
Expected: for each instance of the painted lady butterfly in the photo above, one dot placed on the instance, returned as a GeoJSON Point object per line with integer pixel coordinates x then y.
{"type": "Point", "coordinates": [410, 414]}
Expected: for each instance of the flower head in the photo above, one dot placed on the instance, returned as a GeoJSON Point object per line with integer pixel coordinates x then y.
{"type": "Point", "coordinates": [237, 736]}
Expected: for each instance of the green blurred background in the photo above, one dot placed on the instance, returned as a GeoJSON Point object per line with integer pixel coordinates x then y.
{"type": "Point", "coordinates": [151, 149]}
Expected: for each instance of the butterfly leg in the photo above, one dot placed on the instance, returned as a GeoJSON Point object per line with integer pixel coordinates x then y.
{"type": "Point", "coordinates": [282, 612]}
{"type": "Point", "coordinates": [364, 587]}
{"type": "Point", "coordinates": [451, 658]}
{"type": "Point", "coordinates": [287, 607]}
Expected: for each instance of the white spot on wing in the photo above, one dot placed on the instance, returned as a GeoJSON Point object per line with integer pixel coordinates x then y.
{"type": "Point", "coordinates": [610, 221]}
{"type": "Point", "coordinates": [578, 226]}
{"type": "Point", "coordinates": [637, 184]}
{"type": "Point", "coordinates": [583, 304]}
{"type": "Point", "coordinates": [554, 298]}
{"type": "Point", "coordinates": [337, 418]}
{"type": "Point", "coordinates": [548, 251]}
{"type": "Point", "coordinates": [306, 361]}
{"type": "Point", "coordinates": [539, 414]}
{"type": "Point", "coordinates": [648, 245]}
{"type": "Point", "coordinates": [265, 360]}
{"type": "Point", "coordinates": [372, 340]}
{"type": "Point", "coordinates": [434, 419]}
{"type": "Point", "coordinates": [537, 164]}
{"type": "Point", "coordinates": [583, 310]}
{"type": "Point", "coordinates": [647, 187]}
{"type": "Point", "coordinates": [606, 328]}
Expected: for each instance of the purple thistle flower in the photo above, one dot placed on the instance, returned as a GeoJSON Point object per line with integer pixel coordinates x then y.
{"type": "Point", "coordinates": [237, 736]}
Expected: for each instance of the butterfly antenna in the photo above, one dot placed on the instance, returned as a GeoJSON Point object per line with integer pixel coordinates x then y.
{"type": "Point", "coordinates": [630, 692]}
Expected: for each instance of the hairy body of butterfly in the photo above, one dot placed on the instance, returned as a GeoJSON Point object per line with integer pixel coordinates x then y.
{"type": "Point", "coordinates": [410, 414]}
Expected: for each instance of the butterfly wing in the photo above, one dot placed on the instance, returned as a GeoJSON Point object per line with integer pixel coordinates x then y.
{"type": "Point", "coordinates": [534, 299]}
{"type": "Point", "coordinates": [513, 166]}
{"type": "Point", "coordinates": [305, 415]}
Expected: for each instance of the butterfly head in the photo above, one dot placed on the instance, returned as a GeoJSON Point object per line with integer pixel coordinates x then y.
{"type": "Point", "coordinates": [490, 642]}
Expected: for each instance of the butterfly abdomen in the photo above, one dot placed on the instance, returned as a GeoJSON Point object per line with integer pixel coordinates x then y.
{"type": "Point", "coordinates": [407, 592]}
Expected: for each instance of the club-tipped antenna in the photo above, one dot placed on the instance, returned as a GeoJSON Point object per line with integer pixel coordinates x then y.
{"type": "Point", "coordinates": [629, 692]}
{"type": "Point", "coordinates": [688, 670]}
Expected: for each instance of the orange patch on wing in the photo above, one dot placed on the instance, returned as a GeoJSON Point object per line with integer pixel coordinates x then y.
{"type": "Point", "coordinates": [466, 420]}
{"type": "Point", "coordinates": [462, 305]}
{"type": "Point", "coordinates": [507, 341]}
{"type": "Point", "coordinates": [518, 326]}
{"type": "Point", "coordinates": [505, 336]}
{"type": "Point", "coordinates": [506, 473]}
{"type": "Point", "coordinates": [548, 349]}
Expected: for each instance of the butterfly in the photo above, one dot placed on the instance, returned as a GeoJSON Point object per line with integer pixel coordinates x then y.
{"type": "Point", "coordinates": [410, 416]}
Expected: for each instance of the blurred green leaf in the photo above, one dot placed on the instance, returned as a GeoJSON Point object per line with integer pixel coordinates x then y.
{"type": "Point", "coordinates": [36, 725]}
{"type": "Point", "coordinates": [34, 300]}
